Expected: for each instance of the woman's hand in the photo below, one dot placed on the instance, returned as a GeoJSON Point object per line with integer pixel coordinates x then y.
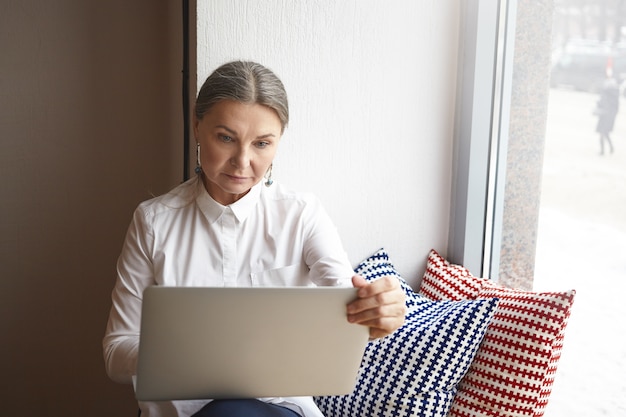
{"type": "Point", "coordinates": [380, 305]}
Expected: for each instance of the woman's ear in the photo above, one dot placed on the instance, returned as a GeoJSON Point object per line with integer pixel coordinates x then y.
{"type": "Point", "coordinates": [195, 122]}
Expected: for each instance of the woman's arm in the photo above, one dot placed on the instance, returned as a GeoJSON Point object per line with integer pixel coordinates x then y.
{"type": "Point", "coordinates": [134, 274]}
{"type": "Point", "coordinates": [381, 303]}
{"type": "Point", "coordinates": [323, 250]}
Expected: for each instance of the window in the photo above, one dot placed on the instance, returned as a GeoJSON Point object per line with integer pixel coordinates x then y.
{"type": "Point", "coordinates": [536, 206]}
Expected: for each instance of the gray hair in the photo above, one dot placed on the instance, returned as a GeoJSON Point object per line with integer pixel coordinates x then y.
{"type": "Point", "coordinates": [245, 82]}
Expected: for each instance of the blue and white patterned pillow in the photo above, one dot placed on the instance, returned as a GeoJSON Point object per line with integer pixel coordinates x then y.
{"type": "Point", "coordinates": [378, 265]}
{"type": "Point", "coordinates": [415, 370]}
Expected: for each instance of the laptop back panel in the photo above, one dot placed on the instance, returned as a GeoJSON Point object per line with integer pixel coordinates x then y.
{"type": "Point", "coordinates": [199, 343]}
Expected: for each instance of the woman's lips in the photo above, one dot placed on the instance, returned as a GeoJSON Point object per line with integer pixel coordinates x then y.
{"type": "Point", "coordinates": [236, 178]}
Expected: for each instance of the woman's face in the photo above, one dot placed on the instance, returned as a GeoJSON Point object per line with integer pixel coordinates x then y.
{"type": "Point", "coordinates": [237, 145]}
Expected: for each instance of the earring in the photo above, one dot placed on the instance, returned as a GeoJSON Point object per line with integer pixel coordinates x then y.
{"type": "Point", "coordinates": [198, 168]}
{"type": "Point", "coordinates": [268, 176]}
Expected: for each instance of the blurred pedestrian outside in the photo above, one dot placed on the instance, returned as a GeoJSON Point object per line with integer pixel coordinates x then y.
{"type": "Point", "coordinates": [606, 110]}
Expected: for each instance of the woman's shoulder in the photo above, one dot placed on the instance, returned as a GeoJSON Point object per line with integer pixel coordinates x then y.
{"type": "Point", "coordinates": [291, 203]}
{"type": "Point", "coordinates": [280, 192]}
{"type": "Point", "coordinates": [178, 197]}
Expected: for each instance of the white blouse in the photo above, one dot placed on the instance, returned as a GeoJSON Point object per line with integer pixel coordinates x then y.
{"type": "Point", "coordinates": [185, 238]}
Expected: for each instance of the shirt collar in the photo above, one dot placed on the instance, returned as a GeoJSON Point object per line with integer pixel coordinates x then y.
{"type": "Point", "coordinates": [241, 208]}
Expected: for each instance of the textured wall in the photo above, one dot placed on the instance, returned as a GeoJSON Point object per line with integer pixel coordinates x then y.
{"type": "Point", "coordinates": [372, 89]}
{"type": "Point", "coordinates": [529, 102]}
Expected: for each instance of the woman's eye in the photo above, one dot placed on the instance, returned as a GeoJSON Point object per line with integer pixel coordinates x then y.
{"type": "Point", "coordinates": [225, 138]}
{"type": "Point", "coordinates": [262, 144]}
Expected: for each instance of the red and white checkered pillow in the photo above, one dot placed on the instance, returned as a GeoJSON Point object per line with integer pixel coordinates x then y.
{"type": "Point", "coordinates": [513, 371]}
{"type": "Point", "coordinates": [445, 281]}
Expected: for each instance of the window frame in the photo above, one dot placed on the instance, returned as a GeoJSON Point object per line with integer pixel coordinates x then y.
{"type": "Point", "coordinates": [486, 50]}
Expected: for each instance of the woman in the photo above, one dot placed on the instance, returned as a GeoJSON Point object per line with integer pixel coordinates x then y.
{"type": "Point", "coordinates": [233, 226]}
{"type": "Point", "coordinates": [606, 110]}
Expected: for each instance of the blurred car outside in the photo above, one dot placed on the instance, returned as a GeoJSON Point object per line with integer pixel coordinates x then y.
{"type": "Point", "coordinates": [585, 64]}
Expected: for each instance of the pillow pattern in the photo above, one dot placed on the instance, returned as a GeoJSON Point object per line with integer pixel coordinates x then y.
{"type": "Point", "coordinates": [415, 370]}
{"type": "Point", "coordinates": [378, 265]}
{"type": "Point", "coordinates": [445, 281]}
{"type": "Point", "coordinates": [513, 371]}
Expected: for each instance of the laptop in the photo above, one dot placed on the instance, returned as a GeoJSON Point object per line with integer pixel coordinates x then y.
{"type": "Point", "coordinates": [202, 343]}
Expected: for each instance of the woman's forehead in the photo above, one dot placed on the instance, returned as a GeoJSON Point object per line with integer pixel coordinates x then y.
{"type": "Point", "coordinates": [236, 115]}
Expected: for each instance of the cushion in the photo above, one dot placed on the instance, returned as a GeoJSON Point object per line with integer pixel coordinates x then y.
{"type": "Point", "coordinates": [415, 370]}
{"type": "Point", "coordinates": [378, 265]}
{"type": "Point", "coordinates": [445, 281]}
{"type": "Point", "coordinates": [513, 371]}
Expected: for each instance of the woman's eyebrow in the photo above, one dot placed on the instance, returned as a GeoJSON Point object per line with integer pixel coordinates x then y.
{"type": "Point", "coordinates": [231, 131]}
{"type": "Point", "coordinates": [266, 136]}
{"type": "Point", "coordinates": [234, 133]}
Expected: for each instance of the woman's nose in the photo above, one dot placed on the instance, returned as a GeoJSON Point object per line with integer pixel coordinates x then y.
{"type": "Point", "coordinates": [241, 158]}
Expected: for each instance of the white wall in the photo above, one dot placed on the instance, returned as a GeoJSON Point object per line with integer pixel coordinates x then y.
{"type": "Point", "coordinates": [372, 86]}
